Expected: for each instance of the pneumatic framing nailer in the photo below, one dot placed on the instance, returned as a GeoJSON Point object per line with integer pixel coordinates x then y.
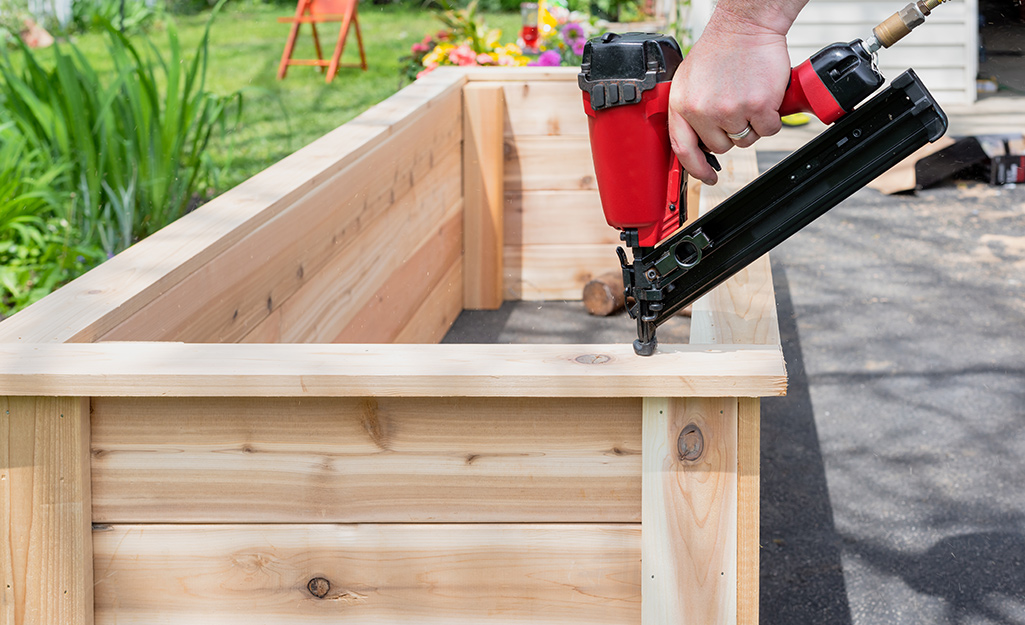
{"type": "Point", "coordinates": [626, 80]}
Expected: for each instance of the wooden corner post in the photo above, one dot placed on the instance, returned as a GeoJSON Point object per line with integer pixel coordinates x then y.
{"type": "Point", "coordinates": [46, 563]}
{"type": "Point", "coordinates": [689, 512]}
{"type": "Point", "coordinates": [483, 194]}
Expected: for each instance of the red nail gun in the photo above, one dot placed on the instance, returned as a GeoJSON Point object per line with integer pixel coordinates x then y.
{"type": "Point", "coordinates": [625, 81]}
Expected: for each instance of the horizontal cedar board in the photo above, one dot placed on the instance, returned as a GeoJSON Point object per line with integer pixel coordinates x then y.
{"type": "Point", "coordinates": [437, 313]}
{"type": "Point", "coordinates": [548, 163]}
{"type": "Point", "coordinates": [228, 297]}
{"type": "Point", "coordinates": [92, 305]}
{"type": "Point", "coordinates": [327, 302]}
{"type": "Point", "coordinates": [555, 272]}
{"type": "Point", "coordinates": [395, 304]}
{"type": "Point", "coordinates": [556, 218]}
{"type": "Point", "coordinates": [544, 108]}
{"type": "Point", "coordinates": [281, 460]}
{"type": "Point", "coordinates": [268, 370]}
{"type": "Point", "coordinates": [374, 574]}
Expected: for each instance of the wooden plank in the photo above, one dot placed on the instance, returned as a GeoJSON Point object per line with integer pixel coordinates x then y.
{"type": "Point", "coordinates": [329, 300]}
{"type": "Point", "coordinates": [548, 163]}
{"type": "Point", "coordinates": [371, 574]}
{"type": "Point", "coordinates": [45, 516]}
{"type": "Point", "coordinates": [393, 307]}
{"type": "Point", "coordinates": [743, 309]}
{"type": "Point", "coordinates": [556, 218]}
{"type": "Point", "coordinates": [748, 509]}
{"type": "Point", "coordinates": [506, 74]}
{"type": "Point", "coordinates": [483, 194]}
{"type": "Point", "coordinates": [245, 460]}
{"type": "Point", "coordinates": [197, 370]}
{"type": "Point", "coordinates": [689, 512]}
{"type": "Point", "coordinates": [544, 108]}
{"type": "Point", "coordinates": [555, 272]}
{"type": "Point", "coordinates": [105, 297]}
{"type": "Point", "coordinates": [432, 320]}
{"type": "Point", "coordinates": [229, 296]}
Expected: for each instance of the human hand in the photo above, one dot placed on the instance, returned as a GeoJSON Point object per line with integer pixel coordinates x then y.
{"type": "Point", "coordinates": [733, 79]}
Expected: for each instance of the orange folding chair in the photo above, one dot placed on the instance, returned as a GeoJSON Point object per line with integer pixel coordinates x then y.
{"type": "Point", "coordinates": [313, 12]}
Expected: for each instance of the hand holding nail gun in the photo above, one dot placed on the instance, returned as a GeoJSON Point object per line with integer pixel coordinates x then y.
{"type": "Point", "coordinates": [632, 96]}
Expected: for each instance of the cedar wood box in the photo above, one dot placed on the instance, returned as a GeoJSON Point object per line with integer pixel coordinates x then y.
{"type": "Point", "coordinates": [245, 419]}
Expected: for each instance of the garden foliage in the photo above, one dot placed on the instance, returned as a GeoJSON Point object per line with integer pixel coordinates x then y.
{"type": "Point", "coordinates": [122, 152]}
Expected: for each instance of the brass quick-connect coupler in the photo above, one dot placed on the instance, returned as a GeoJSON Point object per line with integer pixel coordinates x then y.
{"type": "Point", "coordinates": [895, 27]}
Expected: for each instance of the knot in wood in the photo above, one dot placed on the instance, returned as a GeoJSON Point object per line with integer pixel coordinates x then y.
{"type": "Point", "coordinates": [691, 443]}
{"type": "Point", "coordinates": [319, 587]}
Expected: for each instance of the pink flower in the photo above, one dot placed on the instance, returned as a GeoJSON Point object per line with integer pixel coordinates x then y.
{"type": "Point", "coordinates": [485, 59]}
{"type": "Point", "coordinates": [463, 55]}
{"type": "Point", "coordinates": [420, 47]}
{"type": "Point", "coordinates": [573, 32]}
{"type": "Point", "coordinates": [548, 58]}
{"type": "Point", "coordinates": [427, 70]}
{"type": "Point", "coordinates": [578, 47]}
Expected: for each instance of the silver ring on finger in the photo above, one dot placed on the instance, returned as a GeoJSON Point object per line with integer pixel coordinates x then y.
{"type": "Point", "coordinates": [737, 136]}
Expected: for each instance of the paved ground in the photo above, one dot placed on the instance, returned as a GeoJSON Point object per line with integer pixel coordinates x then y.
{"type": "Point", "coordinates": [894, 471]}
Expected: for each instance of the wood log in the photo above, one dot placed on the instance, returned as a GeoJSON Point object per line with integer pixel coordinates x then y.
{"type": "Point", "coordinates": [604, 295]}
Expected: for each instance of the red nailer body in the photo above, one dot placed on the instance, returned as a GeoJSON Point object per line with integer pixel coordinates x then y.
{"type": "Point", "coordinates": [625, 80]}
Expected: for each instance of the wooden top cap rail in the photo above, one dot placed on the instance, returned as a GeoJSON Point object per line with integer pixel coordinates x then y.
{"type": "Point", "coordinates": [135, 369]}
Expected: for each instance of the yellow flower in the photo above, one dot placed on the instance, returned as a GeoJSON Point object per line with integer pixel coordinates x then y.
{"type": "Point", "coordinates": [492, 38]}
{"type": "Point", "coordinates": [438, 55]}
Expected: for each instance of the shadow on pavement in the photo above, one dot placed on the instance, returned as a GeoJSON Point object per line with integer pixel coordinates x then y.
{"type": "Point", "coordinates": [801, 573]}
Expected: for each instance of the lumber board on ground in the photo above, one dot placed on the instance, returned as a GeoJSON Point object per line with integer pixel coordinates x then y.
{"type": "Point", "coordinates": [383, 460]}
{"type": "Point", "coordinates": [266, 370]}
{"type": "Point", "coordinates": [45, 515]}
{"type": "Point", "coordinates": [483, 194]}
{"type": "Point", "coordinates": [387, 574]}
{"type": "Point", "coordinates": [689, 512]}
{"type": "Point", "coordinates": [101, 300]}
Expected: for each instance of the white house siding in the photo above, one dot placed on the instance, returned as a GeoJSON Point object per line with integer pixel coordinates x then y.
{"type": "Point", "coordinates": [943, 51]}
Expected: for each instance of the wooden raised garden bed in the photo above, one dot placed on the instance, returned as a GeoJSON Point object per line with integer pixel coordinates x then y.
{"type": "Point", "coordinates": [245, 419]}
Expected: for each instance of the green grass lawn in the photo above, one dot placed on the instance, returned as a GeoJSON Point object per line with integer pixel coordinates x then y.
{"type": "Point", "coordinates": [280, 117]}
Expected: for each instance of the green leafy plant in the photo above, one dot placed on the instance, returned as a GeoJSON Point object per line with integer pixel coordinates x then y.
{"type": "Point", "coordinates": [134, 139]}
{"type": "Point", "coordinates": [37, 248]}
{"type": "Point", "coordinates": [138, 14]}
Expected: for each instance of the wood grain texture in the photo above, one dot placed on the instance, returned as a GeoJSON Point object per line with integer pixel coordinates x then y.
{"type": "Point", "coordinates": [556, 218]}
{"type": "Point", "coordinates": [689, 514]}
{"type": "Point", "coordinates": [370, 574]}
{"type": "Point", "coordinates": [399, 184]}
{"type": "Point", "coordinates": [483, 194]}
{"type": "Point", "coordinates": [742, 309]}
{"type": "Point", "coordinates": [555, 272]}
{"type": "Point", "coordinates": [365, 460]}
{"type": "Point", "coordinates": [544, 108]}
{"type": "Point", "coordinates": [416, 283]}
{"type": "Point", "coordinates": [329, 300]}
{"type": "Point", "coordinates": [362, 370]}
{"type": "Point", "coordinates": [534, 163]}
{"type": "Point", "coordinates": [91, 306]}
{"type": "Point", "coordinates": [45, 516]}
{"type": "Point", "coordinates": [748, 509]}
